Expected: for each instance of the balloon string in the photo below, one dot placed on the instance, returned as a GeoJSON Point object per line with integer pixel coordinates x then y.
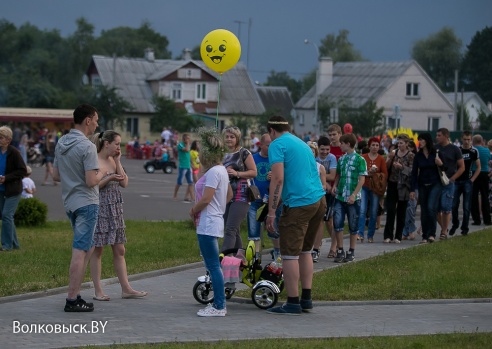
{"type": "Point", "coordinates": [218, 103]}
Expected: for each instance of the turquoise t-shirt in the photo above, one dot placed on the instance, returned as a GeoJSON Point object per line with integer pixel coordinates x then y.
{"type": "Point", "coordinates": [183, 156]}
{"type": "Point", "coordinates": [302, 185]}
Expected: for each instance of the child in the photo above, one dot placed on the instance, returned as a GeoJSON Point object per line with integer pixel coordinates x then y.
{"type": "Point", "coordinates": [334, 134]}
{"type": "Point", "coordinates": [351, 172]}
{"type": "Point", "coordinates": [28, 186]}
{"type": "Point", "coordinates": [212, 194]}
{"type": "Point", "coordinates": [329, 162]}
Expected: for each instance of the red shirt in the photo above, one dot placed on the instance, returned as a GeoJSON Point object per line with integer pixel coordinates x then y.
{"type": "Point", "coordinates": [337, 151]}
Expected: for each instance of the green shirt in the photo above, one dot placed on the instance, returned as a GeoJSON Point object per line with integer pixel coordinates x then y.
{"type": "Point", "coordinates": [349, 168]}
{"type": "Point", "coordinates": [183, 156]}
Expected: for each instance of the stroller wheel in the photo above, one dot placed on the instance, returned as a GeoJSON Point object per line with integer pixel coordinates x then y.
{"type": "Point", "coordinates": [264, 297]}
{"type": "Point", "coordinates": [203, 292]}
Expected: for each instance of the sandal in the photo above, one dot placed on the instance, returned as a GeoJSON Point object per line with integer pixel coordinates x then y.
{"type": "Point", "coordinates": [332, 254]}
{"type": "Point", "coordinates": [443, 236]}
{"type": "Point", "coordinates": [431, 239]}
{"type": "Point", "coordinates": [424, 241]}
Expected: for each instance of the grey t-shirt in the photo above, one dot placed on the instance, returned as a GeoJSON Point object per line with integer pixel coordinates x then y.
{"type": "Point", "coordinates": [74, 155]}
{"type": "Point", "coordinates": [449, 155]}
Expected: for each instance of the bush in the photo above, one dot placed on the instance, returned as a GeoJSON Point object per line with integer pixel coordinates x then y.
{"type": "Point", "coordinates": [31, 212]}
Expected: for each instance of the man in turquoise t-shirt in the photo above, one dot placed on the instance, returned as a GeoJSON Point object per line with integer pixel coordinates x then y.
{"type": "Point", "coordinates": [295, 180]}
{"type": "Point", "coordinates": [184, 169]}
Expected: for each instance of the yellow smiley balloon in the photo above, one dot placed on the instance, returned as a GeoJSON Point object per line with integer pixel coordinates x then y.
{"type": "Point", "coordinates": [220, 50]}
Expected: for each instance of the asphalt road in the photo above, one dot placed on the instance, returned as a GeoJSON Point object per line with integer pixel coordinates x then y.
{"type": "Point", "coordinates": [147, 197]}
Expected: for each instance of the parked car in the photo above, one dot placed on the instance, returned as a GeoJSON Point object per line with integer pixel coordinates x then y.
{"type": "Point", "coordinates": [166, 166]}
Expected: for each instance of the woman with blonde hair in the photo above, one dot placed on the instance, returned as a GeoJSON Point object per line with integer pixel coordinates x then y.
{"type": "Point", "coordinates": [240, 167]}
{"type": "Point", "coordinates": [110, 227]}
{"type": "Point", "coordinates": [212, 191]}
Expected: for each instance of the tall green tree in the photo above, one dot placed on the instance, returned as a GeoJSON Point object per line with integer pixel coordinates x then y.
{"type": "Point", "coordinates": [110, 106]}
{"type": "Point", "coordinates": [440, 55]}
{"type": "Point", "coordinates": [283, 79]}
{"type": "Point", "coordinates": [167, 114]}
{"type": "Point", "coordinates": [477, 64]}
{"type": "Point", "coordinates": [130, 42]}
{"type": "Point", "coordinates": [339, 48]}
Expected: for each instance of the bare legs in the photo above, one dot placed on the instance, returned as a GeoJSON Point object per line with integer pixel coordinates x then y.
{"type": "Point", "coordinates": [295, 269]}
{"type": "Point", "coordinates": [78, 265]}
{"type": "Point", "coordinates": [119, 265]}
{"type": "Point", "coordinates": [189, 195]}
{"type": "Point", "coordinates": [49, 173]}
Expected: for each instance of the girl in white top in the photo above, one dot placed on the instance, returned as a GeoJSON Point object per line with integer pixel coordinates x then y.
{"type": "Point", "coordinates": [28, 186]}
{"type": "Point", "coordinates": [213, 191]}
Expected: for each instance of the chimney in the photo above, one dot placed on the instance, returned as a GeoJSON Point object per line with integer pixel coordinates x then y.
{"type": "Point", "coordinates": [325, 76]}
{"type": "Point", "coordinates": [187, 54]}
{"type": "Point", "coordinates": [149, 54]}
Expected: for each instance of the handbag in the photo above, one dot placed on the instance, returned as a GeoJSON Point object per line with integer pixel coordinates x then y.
{"type": "Point", "coordinates": [443, 176]}
{"type": "Point", "coordinates": [379, 181]}
{"type": "Point", "coordinates": [253, 192]}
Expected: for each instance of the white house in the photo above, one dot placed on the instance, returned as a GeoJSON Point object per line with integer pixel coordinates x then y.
{"type": "Point", "coordinates": [408, 95]}
{"type": "Point", "coordinates": [472, 103]}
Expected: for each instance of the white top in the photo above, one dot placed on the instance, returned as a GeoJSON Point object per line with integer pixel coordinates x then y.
{"type": "Point", "coordinates": [211, 221]}
{"type": "Point", "coordinates": [254, 147]}
{"type": "Point", "coordinates": [27, 183]}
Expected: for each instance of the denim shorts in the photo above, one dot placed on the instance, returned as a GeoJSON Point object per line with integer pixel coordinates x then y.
{"type": "Point", "coordinates": [83, 222]}
{"type": "Point", "coordinates": [446, 201]}
{"type": "Point", "coordinates": [351, 211]}
{"type": "Point", "coordinates": [187, 173]}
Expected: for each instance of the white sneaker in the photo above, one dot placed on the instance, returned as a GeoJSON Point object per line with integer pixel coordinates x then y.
{"type": "Point", "coordinates": [210, 311]}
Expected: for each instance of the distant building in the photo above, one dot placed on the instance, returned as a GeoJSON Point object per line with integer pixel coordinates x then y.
{"type": "Point", "coordinates": [408, 95]}
{"type": "Point", "coordinates": [190, 83]}
{"type": "Point", "coordinates": [472, 103]}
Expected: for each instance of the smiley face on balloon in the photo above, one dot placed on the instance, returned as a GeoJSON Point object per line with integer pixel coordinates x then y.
{"type": "Point", "coordinates": [220, 50]}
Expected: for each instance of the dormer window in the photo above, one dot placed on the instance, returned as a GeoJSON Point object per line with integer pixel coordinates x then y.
{"type": "Point", "coordinates": [412, 90]}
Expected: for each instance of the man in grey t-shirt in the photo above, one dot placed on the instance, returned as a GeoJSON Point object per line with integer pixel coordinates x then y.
{"type": "Point", "coordinates": [76, 167]}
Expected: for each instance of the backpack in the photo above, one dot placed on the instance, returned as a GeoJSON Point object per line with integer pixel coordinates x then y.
{"type": "Point", "coordinates": [378, 183]}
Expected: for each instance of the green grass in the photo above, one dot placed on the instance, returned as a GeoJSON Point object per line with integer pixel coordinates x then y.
{"type": "Point", "coordinates": [448, 341]}
{"type": "Point", "coordinates": [448, 269]}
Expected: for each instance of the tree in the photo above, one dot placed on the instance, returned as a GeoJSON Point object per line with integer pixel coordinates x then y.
{"type": "Point", "coordinates": [130, 42]}
{"type": "Point", "coordinates": [283, 79]}
{"type": "Point", "coordinates": [339, 48]}
{"type": "Point", "coordinates": [367, 119]}
{"type": "Point", "coordinates": [439, 55]}
{"type": "Point", "coordinates": [485, 122]}
{"type": "Point", "coordinates": [110, 106]}
{"type": "Point", "coordinates": [166, 114]}
{"type": "Point", "coordinates": [477, 64]}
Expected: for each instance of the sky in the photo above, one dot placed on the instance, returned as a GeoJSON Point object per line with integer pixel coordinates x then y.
{"type": "Point", "coordinates": [382, 30]}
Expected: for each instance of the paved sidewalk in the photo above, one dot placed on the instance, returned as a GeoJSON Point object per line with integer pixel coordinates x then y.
{"type": "Point", "coordinates": [168, 314]}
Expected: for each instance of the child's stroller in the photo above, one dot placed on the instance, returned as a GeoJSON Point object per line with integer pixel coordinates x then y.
{"type": "Point", "coordinates": [266, 282]}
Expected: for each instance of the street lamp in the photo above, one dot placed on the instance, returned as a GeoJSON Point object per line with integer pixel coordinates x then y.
{"type": "Point", "coordinates": [306, 41]}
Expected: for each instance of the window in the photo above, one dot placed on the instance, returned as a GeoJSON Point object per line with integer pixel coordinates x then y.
{"type": "Point", "coordinates": [393, 122]}
{"type": "Point", "coordinates": [132, 126]}
{"type": "Point", "coordinates": [433, 123]}
{"type": "Point", "coordinates": [96, 80]}
{"type": "Point", "coordinates": [201, 92]}
{"type": "Point", "coordinates": [176, 91]}
{"type": "Point", "coordinates": [301, 119]}
{"type": "Point", "coordinates": [412, 89]}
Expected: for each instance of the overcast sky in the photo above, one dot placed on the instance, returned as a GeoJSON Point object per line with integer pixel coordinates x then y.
{"type": "Point", "coordinates": [382, 30]}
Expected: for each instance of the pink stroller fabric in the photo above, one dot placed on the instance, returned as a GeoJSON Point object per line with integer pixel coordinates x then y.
{"type": "Point", "coordinates": [230, 269]}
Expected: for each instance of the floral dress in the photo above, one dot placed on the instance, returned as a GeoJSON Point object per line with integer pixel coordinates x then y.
{"type": "Point", "coordinates": [110, 227]}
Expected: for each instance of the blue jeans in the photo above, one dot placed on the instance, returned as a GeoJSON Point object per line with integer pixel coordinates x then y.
{"type": "Point", "coordinates": [465, 188]}
{"type": "Point", "coordinates": [209, 248]}
{"type": "Point", "coordinates": [186, 172]}
{"type": "Point", "coordinates": [352, 211]}
{"type": "Point", "coordinates": [8, 206]}
{"type": "Point", "coordinates": [369, 198]}
{"type": "Point", "coordinates": [83, 222]}
{"type": "Point", "coordinates": [429, 196]}
{"type": "Point", "coordinates": [446, 202]}
{"type": "Point", "coordinates": [254, 227]}
{"type": "Point", "coordinates": [410, 217]}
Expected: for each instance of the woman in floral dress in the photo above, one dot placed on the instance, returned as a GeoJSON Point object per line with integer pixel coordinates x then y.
{"type": "Point", "coordinates": [110, 228]}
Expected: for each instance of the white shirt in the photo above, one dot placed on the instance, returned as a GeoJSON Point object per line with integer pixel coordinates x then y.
{"type": "Point", "coordinates": [212, 216]}
{"type": "Point", "coordinates": [27, 183]}
{"type": "Point", "coordinates": [253, 147]}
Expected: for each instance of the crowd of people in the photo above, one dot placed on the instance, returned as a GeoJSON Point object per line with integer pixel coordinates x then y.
{"type": "Point", "coordinates": [305, 185]}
